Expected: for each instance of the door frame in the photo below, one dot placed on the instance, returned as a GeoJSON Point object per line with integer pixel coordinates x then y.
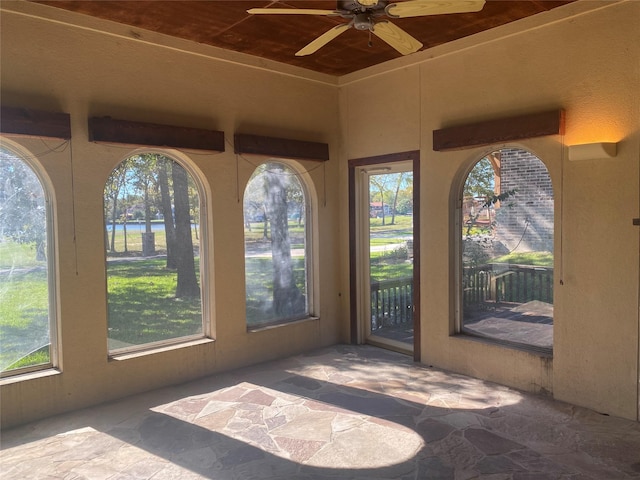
{"type": "Point", "coordinates": [356, 328]}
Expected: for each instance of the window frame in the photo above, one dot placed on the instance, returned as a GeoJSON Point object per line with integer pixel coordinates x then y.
{"type": "Point", "coordinates": [32, 162]}
{"type": "Point", "coordinates": [458, 327]}
{"type": "Point", "coordinates": [206, 257]}
{"type": "Point", "coordinates": [310, 262]}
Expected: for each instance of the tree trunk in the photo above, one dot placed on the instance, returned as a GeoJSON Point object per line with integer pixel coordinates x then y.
{"type": "Point", "coordinates": [148, 237]}
{"type": "Point", "coordinates": [288, 301]}
{"type": "Point", "coordinates": [114, 217]}
{"type": "Point", "coordinates": [395, 199]}
{"type": "Point", "coordinates": [147, 210]}
{"type": "Point", "coordinates": [41, 250]}
{"type": "Point", "coordinates": [265, 225]}
{"type": "Point", "coordinates": [124, 230]}
{"type": "Point", "coordinates": [165, 199]}
{"type": "Point", "coordinates": [187, 285]}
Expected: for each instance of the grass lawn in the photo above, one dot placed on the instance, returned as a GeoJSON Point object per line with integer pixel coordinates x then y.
{"type": "Point", "coordinates": [37, 357]}
{"type": "Point", "coordinates": [143, 307]}
{"type": "Point", "coordinates": [256, 233]}
{"type": "Point", "coordinates": [403, 226]}
{"type": "Point", "coordinates": [24, 317]}
{"type": "Point", "coordinates": [378, 242]}
{"type": "Point", "coordinates": [17, 255]}
{"type": "Point", "coordinates": [540, 259]}
{"type": "Point", "coordinates": [134, 240]}
{"type": "Point", "coordinates": [388, 271]}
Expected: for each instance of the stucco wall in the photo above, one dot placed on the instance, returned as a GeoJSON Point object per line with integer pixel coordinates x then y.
{"type": "Point", "coordinates": [50, 65]}
{"type": "Point", "coordinates": [585, 59]}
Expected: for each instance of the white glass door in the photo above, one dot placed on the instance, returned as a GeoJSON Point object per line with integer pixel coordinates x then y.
{"type": "Point", "coordinates": [386, 251]}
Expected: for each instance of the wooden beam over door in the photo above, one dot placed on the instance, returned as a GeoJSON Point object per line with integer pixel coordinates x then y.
{"type": "Point", "coordinates": [498, 131]}
{"type": "Point", "coordinates": [107, 129]}
{"type": "Point", "coordinates": [35, 123]}
{"type": "Point", "coordinates": [281, 147]}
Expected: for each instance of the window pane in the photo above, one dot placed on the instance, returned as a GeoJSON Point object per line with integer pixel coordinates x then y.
{"type": "Point", "coordinates": [25, 335]}
{"type": "Point", "coordinates": [275, 246]}
{"type": "Point", "coordinates": [152, 235]}
{"type": "Point", "coordinates": [507, 250]}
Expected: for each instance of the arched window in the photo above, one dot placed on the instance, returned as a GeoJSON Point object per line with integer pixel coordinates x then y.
{"type": "Point", "coordinates": [507, 250]}
{"type": "Point", "coordinates": [153, 233]}
{"type": "Point", "coordinates": [276, 219]}
{"type": "Point", "coordinates": [27, 308]}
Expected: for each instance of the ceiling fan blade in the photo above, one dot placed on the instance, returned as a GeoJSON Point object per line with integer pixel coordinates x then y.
{"type": "Point", "coordinates": [396, 37]}
{"type": "Point", "coordinates": [290, 11]}
{"type": "Point", "coordinates": [323, 39]}
{"type": "Point", "coordinates": [418, 8]}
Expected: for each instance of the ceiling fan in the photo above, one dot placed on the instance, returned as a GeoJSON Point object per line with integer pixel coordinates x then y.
{"type": "Point", "coordinates": [367, 15]}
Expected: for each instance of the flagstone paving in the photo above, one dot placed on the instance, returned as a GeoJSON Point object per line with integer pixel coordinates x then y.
{"type": "Point", "coordinates": [345, 412]}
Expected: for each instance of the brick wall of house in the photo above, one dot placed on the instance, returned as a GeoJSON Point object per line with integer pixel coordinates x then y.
{"type": "Point", "coordinates": [525, 219]}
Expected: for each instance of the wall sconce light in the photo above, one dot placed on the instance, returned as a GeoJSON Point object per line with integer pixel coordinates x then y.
{"type": "Point", "coordinates": [592, 151]}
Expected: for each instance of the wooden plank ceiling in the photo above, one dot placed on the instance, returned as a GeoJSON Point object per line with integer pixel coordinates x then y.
{"type": "Point", "coordinates": [225, 24]}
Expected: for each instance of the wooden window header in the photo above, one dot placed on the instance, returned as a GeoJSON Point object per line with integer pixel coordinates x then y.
{"type": "Point", "coordinates": [35, 123]}
{"type": "Point", "coordinates": [498, 131]}
{"type": "Point", "coordinates": [281, 147]}
{"type": "Point", "coordinates": [387, 158]}
{"type": "Point", "coordinates": [107, 129]}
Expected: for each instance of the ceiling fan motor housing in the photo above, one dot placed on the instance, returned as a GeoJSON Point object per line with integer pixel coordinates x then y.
{"type": "Point", "coordinates": [362, 21]}
{"type": "Point", "coordinates": [362, 6]}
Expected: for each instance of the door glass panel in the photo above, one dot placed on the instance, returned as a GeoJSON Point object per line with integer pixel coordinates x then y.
{"type": "Point", "coordinates": [391, 256]}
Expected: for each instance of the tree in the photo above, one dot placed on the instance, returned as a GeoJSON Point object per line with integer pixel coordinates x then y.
{"type": "Point", "coordinates": [22, 204]}
{"type": "Point", "coordinates": [255, 199]}
{"type": "Point", "coordinates": [401, 177]}
{"type": "Point", "coordinates": [144, 180]}
{"type": "Point", "coordinates": [162, 165]}
{"type": "Point", "coordinates": [488, 203]}
{"type": "Point", "coordinates": [405, 198]}
{"type": "Point", "coordinates": [386, 187]}
{"type": "Point", "coordinates": [151, 180]}
{"type": "Point", "coordinates": [254, 202]}
{"type": "Point", "coordinates": [481, 180]}
{"type": "Point", "coordinates": [287, 298]}
{"type": "Point", "coordinates": [480, 184]}
{"type": "Point", "coordinates": [194, 207]}
{"type": "Point", "coordinates": [295, 200]}
{"type": "Point", "coordinates": [117, 191]}
{"type": "Point", "coordinates": [187, 284]}
{"type": "Point", "coordinates": [379, 182]}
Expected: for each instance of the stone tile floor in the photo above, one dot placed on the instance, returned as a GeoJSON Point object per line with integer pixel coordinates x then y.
{"type": "Point", "coordinates": [343, 412]}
